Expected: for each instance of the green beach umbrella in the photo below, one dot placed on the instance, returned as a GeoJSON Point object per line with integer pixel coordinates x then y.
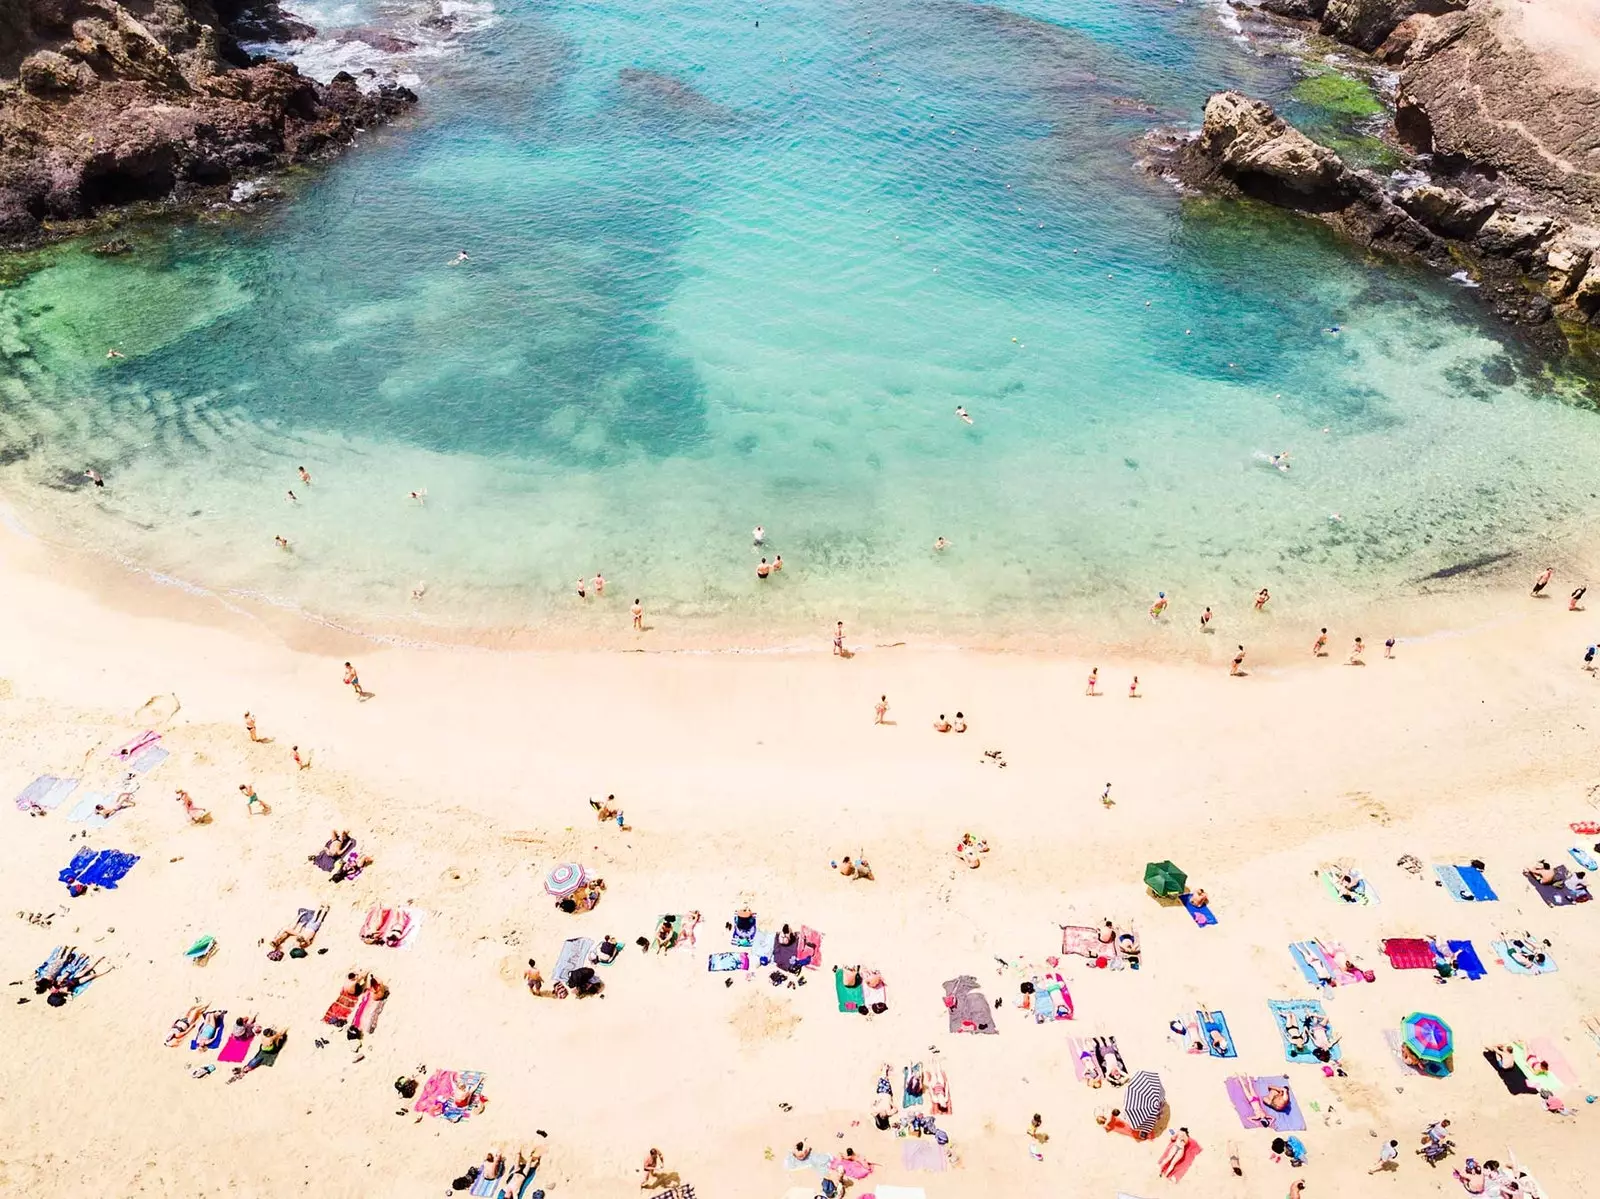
{"type": "Point", "coordinates": [1164, 878]}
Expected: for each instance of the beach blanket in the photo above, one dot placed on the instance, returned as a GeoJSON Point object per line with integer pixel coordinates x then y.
{"type": "Point", "coordinates": [65, 963]}
{"type": "Point", "coordinates": [338, 1013]}
{"type": "Point", "coordinates": [1190, 1152]}
{"type": "Point", "coordinates": [719, 963]}
{"type": "Point", "coordinates": [810, 955]}
{"type": "Point", "coordinates": [237, 1048]}
{"type": "Point", "coordinates": [1297, 1010]}
{"type": "Point", "coordinates": [1083, 941]}
{"type": "Point", "coordinates": [813, 1161]}
{"type": "Point", "coordinates": [1502, 950]}
{"type": "Point", "coordinates": [1204, 917]}
{"type": "Point", "coordinates": [46, 792]}
{"type": "Point", "coordinates": [485, 1186]}
{"type": "Point", "coordinates": [1516, 1082]}
{"type": "Point", "coordinates": [1364, 892]}
{"type": "Point", "coordinates": [744, 932]}
{"type": "Point", "coordinates": [968, 1009]}
{"type": "Point", "coordinates": [1465, 884]}
{"type": "Point", "coordinates": [922, 1153]}
{"type": "Point", "coordinates": [785, 957]}
{"type": "Point", "coordinates": [472, 1082]}
{"type": "Point", "coordinates": [1409, 953]}
{"type": "Point", "coordinates": [387, 927]}
{"type": "Point", "coordinates": [1468, 964]}
{"type": "Point", "coordinates": [214, 1040]}
{"type": "Point", "coordinates": [1392, 1038]}
{"type": "Point", "coordinates": [1336, 955]}
{"type": "Point", "coordinates": [1559, 1077]}
{"type": "Point", "coordinates": [1215, 1020]}
{"type": "Point", "coordinates": [912, 1086]}
{"type": "Point", "coordinates": [1050, 999]}
{"type": "Point", "coordinates": [84, 811]}
{"type": "Point", "coordinates": [1293, 1120]}
{"type": "Point", "coordinates": [1584, 858]}
{"type": "Point", "coordinates": [148, 759]}
{"type": "Point", "coordinates": [575, 952]}
{"type": "Point", "coordinates": [849, 997]}
{"type": "Point", "coordinates": [764, 946]}
{"type": "Point", "coordinates": [1556, 894]}
{"type": "Point", "coordinates": [439, 1086]}
{"type": "Point", "coordinates": [137, 745]}
{"type": "Point", "coordinates": [937, 1087]}
{"type": "Point", "coordinates": [1330, 957]}
{"type": "Point", "coordinates": [103, 869]}
{"type": "Point", "coordinates": [1082, 1050]}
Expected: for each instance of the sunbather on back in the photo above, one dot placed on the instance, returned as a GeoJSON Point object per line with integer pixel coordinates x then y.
{"type": "Point", "coordinates": [1293, 1033]}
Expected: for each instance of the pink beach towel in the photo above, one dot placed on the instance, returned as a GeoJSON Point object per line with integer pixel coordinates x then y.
{"type": "Point", "coordinates": [1082, 940]}
{"type": "Point", "coordinates": [237, 1049]}
{"type": "Point", "coordinates": [441, 1085]}
{"type": "Point", "coordinates": [140, 743]}
{"type": "Point", "coordinates": [1409, 953]}
{"type": "Point", "coordinates": [1560, 1068]}
{"type": "Point", "coordinates": [810, 943]}
{"type": "Point", "coordinates": [1336, 955]}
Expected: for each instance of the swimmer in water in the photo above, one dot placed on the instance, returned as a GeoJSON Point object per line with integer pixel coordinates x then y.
{"type": "Point", "coordinates": [758, 535]}
{"type": "Point", "coordinates": [305, 475]}
{"type": "Point", "coordinates": [419, 590]}
{"type": "Point", "coordinates": [763, 570]}
{"type": "Point", "coordinates": [777, 564]}
{"type": "Point", "coordinates": [599, 583]}
{"type": "Point", "coordinates": [94, 477]}
{"type": "Point", "coordinates": [962, 413]}
{"type": "Point", "coordinates": [291, 497]}
{"type": "Point", "coordinates": [1281, 461]}
{"type": "Point", "coordinates": [1160, 606]}
{"type": "Point", "coordinates": [282, 541]}
{"type": "Point", "coordinates": [461, 256]}
{"type": "Point", "coordinates": [420, 496]}
{"type": "Point", "coordinates": [114, 353]}
{"type": "Point", "coordinates": [939, 543]}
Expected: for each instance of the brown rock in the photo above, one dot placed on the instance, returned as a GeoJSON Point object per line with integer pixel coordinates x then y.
{"type": "Point", "coordinates": [1508, 235]}
{"type": "Point", "coordinates": [1570, 255]}
{"type": "Point", "coordinates": [47, 73]}
{"type": "Point", "coordinates": [1446, 209]}
{"type": "Point", "coordinates": [1249, 139]}
{"type": "Point", "coordinates": [1367, 23]}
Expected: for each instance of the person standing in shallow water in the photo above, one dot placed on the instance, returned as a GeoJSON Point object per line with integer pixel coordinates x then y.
{"type": "Point", "coordinates": [838, 639]}
{"type": "Point", "coordinates": [1238, 661]}
{"type": "Point", "coordinates": [1205, 621]}
{"type": "Point", "coordinates": [638, 614]}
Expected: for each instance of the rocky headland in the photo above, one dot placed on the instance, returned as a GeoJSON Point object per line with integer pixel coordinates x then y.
{"type": "Point", "coordinates": [105, 104]}
{"type": "Point", "coordinates": [1496, 116]}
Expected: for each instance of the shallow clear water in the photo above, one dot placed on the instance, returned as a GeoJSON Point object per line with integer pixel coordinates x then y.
{"type": "Point", "coordinates": [724, 274]}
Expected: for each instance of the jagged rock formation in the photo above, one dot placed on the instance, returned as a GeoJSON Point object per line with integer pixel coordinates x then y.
{"type": "Point", "coordinates": [105, 103]}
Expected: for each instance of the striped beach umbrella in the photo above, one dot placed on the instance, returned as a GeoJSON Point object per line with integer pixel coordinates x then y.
{"type": "Point", "coordinates": [564, 879]}
{"type": "Point", "coordinates": [1143, 1101]}
{"type": "Point", "coordinates": [1430, 1040]}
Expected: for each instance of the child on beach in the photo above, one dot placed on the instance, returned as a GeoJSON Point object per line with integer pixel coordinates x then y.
{"type": "Point", "coordinates": [638, 614]}
{"type": "Point", "coordinates": [1356, 651]}
{"type": "Point", "coordinates": [1319, 647]}
{"type": "Point", "coordinates": [880, 709]}
{"type": "Point", "coordinates": [251, 801]}
{"type": "Point", "coordinates": [1094, 681]}
{"type": "Point", "coordinates": [353, 681]}
{"type": "Point", "coordinates": [1160, 606]}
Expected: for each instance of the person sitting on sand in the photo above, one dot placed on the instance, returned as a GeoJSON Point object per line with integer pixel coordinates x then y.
{"type": "Point", "coordinates": [609, 948]}
{"type": "Point", "coordinates": [850, 975]}
{"type": "Point", "coordinates": [1198, 899]}
{"type": "Point", "coordinates": [847, 867]}
{"type": "Point", "coordinates": [666, 933]}
{"type": "Point", "coordinates": [195, 813]}
{"type": "Point", "coordinates": [653, 1162]}
{"type": "Point", "coordinates": [271, 1043]}
{"type": "Point", "coordinates": [1277, 1098]}
{"type": "Point", "coordinates": [607, 811]}
{"type": "Point", "coordinates": [1173, 1154]}
{"type": "Point", "coordinates": [960, 725]}
{"type": "Point", "coordinates": [494, 1166]}
{"type": "Point", "coordinates": [871, 979]}
{"type": "Point", "coordinates": [1128, 945]}
{"type": "Point", "coordinates": [1542, 872]}
{"type": "Point", "coordinates": [969, 848]}
{"type": "Point", "coordinates": [1347, 886]}
{"type": "Point", "coordinates": [785, 936]}
{"type": "Point", "coordinates": [941, 725]}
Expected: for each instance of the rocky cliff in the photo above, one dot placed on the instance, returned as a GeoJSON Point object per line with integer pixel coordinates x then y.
{"type": "Point", "coordinates": [1502, 120]}
{"type": "Point", "coordinates": [105, 103]}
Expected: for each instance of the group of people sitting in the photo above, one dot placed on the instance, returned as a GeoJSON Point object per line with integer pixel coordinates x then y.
{"type": "Point", "coordinates": [944, 725]}
{"type": "Point", "coordinates": [1495, 1181]}
{"type": "Point", "coordinates": [508, 1182]}
{"type": "Point", "coordinates": [584, 898]}
{"type": "Point", "coordinates": [969, 849]}
{"type": "Point", "coordinates": [853, 867]}
{"type": "Point", "coordinates": [673, 929]}
{"type": "Point", "coordinates": [1546, 875]}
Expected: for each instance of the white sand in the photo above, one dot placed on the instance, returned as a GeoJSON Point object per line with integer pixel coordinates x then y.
{"type": "Point", "coordinates": [743, 775]}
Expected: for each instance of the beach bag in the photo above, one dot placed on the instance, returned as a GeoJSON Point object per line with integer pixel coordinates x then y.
{"type": "Point", "coordinates": [407, 1087]}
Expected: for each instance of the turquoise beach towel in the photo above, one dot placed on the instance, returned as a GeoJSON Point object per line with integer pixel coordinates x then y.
{"type": "Point", "coordinates": [1216, 1020]}
{"type": "Point", "coordinates": [1465, 884]}
{"type": "Point", "coordinates": [1298, 1010]}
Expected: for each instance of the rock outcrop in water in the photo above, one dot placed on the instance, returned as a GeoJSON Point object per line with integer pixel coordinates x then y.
{"type": "Point", "coordinates": [1502, 124]}
{"type": "Point", "coordinates": [104, 104]}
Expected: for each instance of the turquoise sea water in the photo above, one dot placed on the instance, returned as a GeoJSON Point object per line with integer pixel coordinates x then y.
{"type": "Point", "coordinates": [725, 273]}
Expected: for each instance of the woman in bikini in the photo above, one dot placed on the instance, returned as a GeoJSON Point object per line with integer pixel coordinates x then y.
{"type": "Point", "coordinates": [1173, 1154]}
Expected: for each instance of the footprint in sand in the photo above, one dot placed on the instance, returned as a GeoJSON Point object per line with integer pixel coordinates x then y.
{"type": "Point", "coordinates": [1372, 807]}
{"type": "Point", "coordinates": [457, 876]}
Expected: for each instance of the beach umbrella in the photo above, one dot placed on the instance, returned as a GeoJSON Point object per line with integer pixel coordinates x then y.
{"type": "Point", "coordinates": [1164, 878]}
{"type": "Point", "coordinates": [1143, 1101]}
{"type": "Point", "coordinates": [564, 879]}
{"type": "Point", "coordinates": [1429, 1038]}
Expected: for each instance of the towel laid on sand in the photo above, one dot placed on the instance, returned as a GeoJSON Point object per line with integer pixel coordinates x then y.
{"type": "Point", "coordinates": [1204, 917]}
{"type": "Point", "coordinates": [968, 1010]}
{"type": "Point", "coordinates": [1083, 941]}
{"type": "Point", "coordinates": [1465, 884]}
{"type": "Point", "coordinates": [1556, 895]}
{"type": "Point", "coordinates": [575, 952]}
{"type": "Point", "coordinates": [1297, 1010]}
{"type": "Point", "coordinates": [1215, 1020]}
{"type": "Point", "coordinates": [237, 1048]}
{"type": "Point", "coordinates": [1409, 953]}
{"type": "Point", "coordinates": [721, 963]}
{"type": "Point", "coordinates": [47, 792]}
{"type": "Point", "coordinates": [1502, 951]}
{"type": "Point", "coordinates": [1468, 964]}
{"type": "Point", "coordinates": [104, 869]}
{"type": "Point", "coordinates": [1292, 1120]}
{"type": "Point", "coordinates": [1362, 894]}
{"type": "Point", "coordinates": [849, 997]}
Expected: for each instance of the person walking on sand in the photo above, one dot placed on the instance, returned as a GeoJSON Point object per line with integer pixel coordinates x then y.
{"type": "Point", "coordinates": [1133, 688]}
{"type": "Point", "coordinates": [638, 614]}
{"type": "Point", "coordinates": [1094, 681]}
{"type": "Point", "coordinates": [1388, 1158]}
{"type": "Point", "coordinates": [653, 1162]}
{"type": "Point", "coordinates": [1575, 603]}
{"type": "Point", "coordinates": [1205, 621]}
{"type": "Point", "coordinates": [1388, 648]}
{"type": "Point", "coordinates": [1543, 581]}
{"type": "Point", "coordinates": [1319, 647]}
{"type": "Point", "coordinates": [1160, 606]}
{"type": "Point", "coordinates": [250, 727]}
{"type": "Point", "coordinates": [195, 813]}
{"type": "Point", "coordinates": [1105, 797]}
{"type": "Point", "coordinates": [880, 709]}
{"type": "Point", "coordinates": [1262, 597]}
{"type": "Point", "coordinates": [253, 801]}
{"type": "Point", "coordinates": [1356, 651]}
{"type": "Point", "coordinates": [838, 639]}
{"type": "Point", "coordinates": [353, 681]}
{"type": "Point", "coordinates": [1238, 661]}
{"type": "Point", "coordinates": [533, 978]}
{"type": "Point", "coordinates": [1588, 659]}
{"type": "Point", "coordinates": [301, 763]}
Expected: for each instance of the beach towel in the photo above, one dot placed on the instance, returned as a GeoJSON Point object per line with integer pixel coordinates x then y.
{"type": "Point", "coordinates": [784, 956]}
{"type": "Point", "coordinates": [1084, 941]}
{"type": "Point", "coordinates": [1468, 964]}
{"type": "Point", "coordinates": [338, 1013]}
{"type": "Point", "coordinates": [968, 1009]}
{"type": "Point", "coordinates": [922, 1153]}
{"type": "Point", "coordinates": [1502, 951]}
{"type": "Point", "coordinates": [1336, 955]}
{"type": "Point", "coordinates": [486, 1187]}
{"type": "Point", "coordinates": [75, 868]}
{"type": "Point", "coordinates": [387, 927]}
{"type": "Point", "coordinates": [1190, 1152]}
{"type": "Point", "coordinates": [913, 1086]}
{"type": "Point", "coordinates": [1559, 1077]}
{"type": "Point", "coordinates": [575, 952]}
{"type": "Point", "coordinates": [1082, 1051]}
{"type": "Point", "coordinates": [137, 745]}
{"type": "Point", "coordinates": [1556, 894]}
{"type": "Point", "coordinates": [1516, 1082]}
{"type": "Point", "coordinates": [1293, 1120]}
{"type": "Point", "coordinates": [1584, 858]}
{"type": "Point", "coordinates": [148, 759]}
{"type": "Point", "coordinates": [439, 1086]}
{"type": "Point", "coordinates": [719, 963]}
{"type": "Point", "coordinates": [744, 931]}
{"type": "Point", "coordinates": [1331, 959]}
{"type": "Point", "coordinates": [937, 1088]}
{"type": "Point", "coordinates": [1392, 1038]}
{"type": "Point", "coordinates": [1297, 1010]}
{"type": "Point", "coordinates": [1409, 953]}
{"type": "Point", "coordinates": [1050, 999]}
{"type": "Point", "coordinates": [849, 998]}
{"type": "Point", "coordinates": [763, 946]}
{"type": "Point", "coordinates": [1364, 893]}
{"type": "Point", "coordinates": [84, 811]}
{"type": "Point", "coordinates": [472, 1082]}
{"type": "Point", "coordinates": [47, 792]}
{"type": "Point", "coordinates": [237, 1048]}
{"type": "Point", "coordinates": [813, 1161]}
{"type": "Point", "coordinates": [1465, 884]}
{"type": "Point", "coordinates": [810, 955]}
{"type": "Point", "coordinates": [108, 869]}
{"type": "Point", "coordinates": [1204, 917]}
{"type": "Point", "coordinates": [216, 1039]}
{"type": "Point", "coordinates": [1216, 1020]}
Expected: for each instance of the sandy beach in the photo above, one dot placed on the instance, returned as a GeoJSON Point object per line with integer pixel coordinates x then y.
{"type": "Point", "coordinates": [741, 776]}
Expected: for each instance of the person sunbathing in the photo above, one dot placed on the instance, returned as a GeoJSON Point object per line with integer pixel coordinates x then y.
{"type": "Point", "coordinates": [1173, 1154]}
{"type": "Point", "coordinates": [338, 844]}
{"type": "Point", "coordinates": [123, 801]}
{"type": "Point", "coordinates": [1128, 945]}
{"type": "Point", "coordinates": [871, 980]}
{"type": "Point", "coordinates": [785, 936]}
{"type": "Point", "coordinates": [744, 924]}
{"type": "Point", "coordinates": [210, 1026]}
{"type": "Point", "coordinates": [1542, 872]}
{"type": "Point", "coordinates": [1505, 1057]}
{"type": "Point", "coordinates": [1322, 1038]}
{"type": "Point", "coordinates": [184, 1024]}
{"type": "Point", "coordinates": [527, 1164]}
{"type": "Point", "coordinates": [1319, 969]}
{"type": "Point", "coordinates": [1524, 954]}
{"type": "Point", "coordinates": [271, 1042]}
{"type": "Point", "coordinates": [350, 866]}
{"type": "Point", "coordinates": [1348, 886]}
{"type": "Point", "coordinates": [195, 813]}
{"type": "Point", "coordinates": [494, 1164]}
{"type": "Point", "coordinates": [1277, 1098]}
{"type": "Point", "coordinates": [1293, 1032]}
{"type": "Point", "coordinates": [1219, 1043]}
{"type": "Point", "coordinates": [666, 934]}
{"type": "Point", "coordinates": [1109, 1056]}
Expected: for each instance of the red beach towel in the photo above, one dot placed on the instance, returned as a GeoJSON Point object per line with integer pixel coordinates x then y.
{"type": "Point", "coordinates": [1409, 953]}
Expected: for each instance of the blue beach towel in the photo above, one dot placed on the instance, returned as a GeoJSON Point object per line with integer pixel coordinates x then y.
{"type": "Point", "coordinates": [1204, 917]}
{"type": "Point", "coordinates": [216, 1041]}
{"type": "Point", "coordinates": [1215, 1020]}
{"type": "Point", "coordinates": [1503, 952]}
{"type": "Point", "coordinates": [1467, 961]}
{"type": "Point", "coordinates": [108, 869]}
{"type": "Point", "coordinates": [1465, 884]}
{"type": "Point", "coordinates": [1298, 1010]}
{"type": "Point", "coordinates": [80, 863]}
{"type": "Point", "coordinates": [1584, 858]}
{"type": "Point", "coordinates": [1298, 952]}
